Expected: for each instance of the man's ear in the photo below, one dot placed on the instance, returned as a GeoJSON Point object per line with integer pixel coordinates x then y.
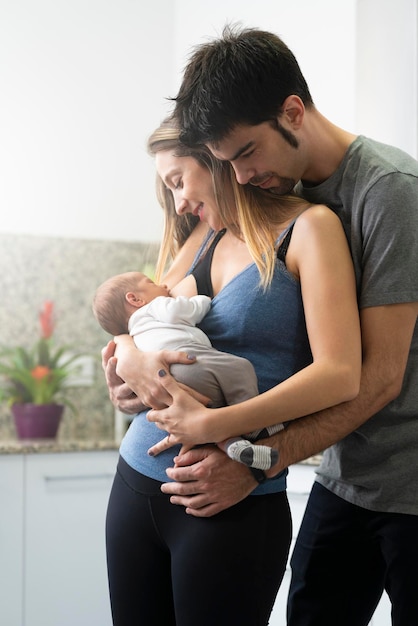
{"type": "Point", "coordinates": [133, 300]}
{"type": "Point", "coordinates": [294, 109]}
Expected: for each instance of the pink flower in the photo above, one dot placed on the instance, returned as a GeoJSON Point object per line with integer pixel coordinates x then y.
{"type": "Point", "coordinates": [46, 318]}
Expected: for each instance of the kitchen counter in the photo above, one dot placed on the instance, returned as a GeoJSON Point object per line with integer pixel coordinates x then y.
{"type": "Point", "coordinates": [33, 446]}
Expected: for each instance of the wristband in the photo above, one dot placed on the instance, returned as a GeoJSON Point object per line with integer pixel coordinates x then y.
{"type": "Point", "coordinates": [258, 474]}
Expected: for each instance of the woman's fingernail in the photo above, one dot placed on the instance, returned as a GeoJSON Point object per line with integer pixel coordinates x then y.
{"type": "Point", "coordinates": [150, 453]}
{"type": "Point", "coordinates": [191, 357]}
{"type": "Point", "coordinates": [161, 373]}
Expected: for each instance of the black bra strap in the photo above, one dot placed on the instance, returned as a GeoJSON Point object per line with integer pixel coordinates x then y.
{"type": "Point", "coordinates": [201, 272]}
{"type": "Point", "coordinates": [282, 250]}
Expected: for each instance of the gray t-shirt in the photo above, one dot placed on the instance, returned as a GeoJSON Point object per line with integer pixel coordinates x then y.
{"type": "Point", "coordinates": [375, 193]}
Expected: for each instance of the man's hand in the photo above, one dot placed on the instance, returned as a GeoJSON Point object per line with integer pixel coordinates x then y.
{"type": "Point", "coordinates": [206, 481]}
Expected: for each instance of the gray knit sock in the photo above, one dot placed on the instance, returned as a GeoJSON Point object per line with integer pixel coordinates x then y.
{"type": "Point", "coordinates": [252, 455]}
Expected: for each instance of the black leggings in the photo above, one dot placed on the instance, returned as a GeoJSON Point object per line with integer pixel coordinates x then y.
{"type": "Point", "coordinates": [168, 568]}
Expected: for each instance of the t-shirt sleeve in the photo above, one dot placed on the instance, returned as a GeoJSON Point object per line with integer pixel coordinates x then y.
{"type": "Point", "coordinates": [390, 242]}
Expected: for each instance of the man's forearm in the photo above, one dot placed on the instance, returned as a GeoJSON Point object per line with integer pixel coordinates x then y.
{"type": "Point", "coordinates": [312, 434]}
{"type": "Point", "coordinates": [308, 436]}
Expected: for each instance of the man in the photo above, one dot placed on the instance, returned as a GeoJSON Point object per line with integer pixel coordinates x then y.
{"type": "Point", "coordinates": [244, 96]}
{"type": "Point", "coordinates": [246, 99]}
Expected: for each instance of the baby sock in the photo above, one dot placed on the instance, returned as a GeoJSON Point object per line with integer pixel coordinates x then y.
{"type": "Point", "coordinates": [252, 455]}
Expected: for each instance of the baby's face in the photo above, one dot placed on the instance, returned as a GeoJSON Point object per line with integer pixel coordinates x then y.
{"type": "Point", "coordinates": [148, 290]}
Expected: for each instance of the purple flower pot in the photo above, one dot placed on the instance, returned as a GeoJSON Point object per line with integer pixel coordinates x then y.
{"type": "Point", "coordinates": [37, 421]}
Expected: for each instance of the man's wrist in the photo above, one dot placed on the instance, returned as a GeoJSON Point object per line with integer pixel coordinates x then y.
{"type": "Point", "coordinates": [258, 474]}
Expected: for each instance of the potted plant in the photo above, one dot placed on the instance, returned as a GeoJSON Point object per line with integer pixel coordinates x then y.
{"type": "Point", "coordinates": [34, 380]}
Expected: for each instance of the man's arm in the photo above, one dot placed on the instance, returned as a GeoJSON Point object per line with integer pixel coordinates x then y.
{"type": "Point", "coordinates": [386, 338]}
{"type": "Point", "coordinates": [386, 335]}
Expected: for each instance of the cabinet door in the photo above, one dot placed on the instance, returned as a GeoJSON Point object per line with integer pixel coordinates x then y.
{"type": "Point", "coordinates": [11, 539]}
{"type": "Point", "coordinates": [65, 568]}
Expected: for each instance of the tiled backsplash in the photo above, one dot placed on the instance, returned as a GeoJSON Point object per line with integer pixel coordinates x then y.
{"type": "Point", "coordinates": [67, 271]}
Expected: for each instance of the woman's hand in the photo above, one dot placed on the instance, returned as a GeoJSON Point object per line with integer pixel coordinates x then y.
{"type": "Point", "coordinates": [185, 419]}
{"type": "Point", "coordinates": [166, 444]}
{"type": "Point", "coordinates": [131, 375]}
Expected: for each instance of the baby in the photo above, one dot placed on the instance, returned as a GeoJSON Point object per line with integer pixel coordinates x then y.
{"type": "Point", "coordinates": [132, 303]}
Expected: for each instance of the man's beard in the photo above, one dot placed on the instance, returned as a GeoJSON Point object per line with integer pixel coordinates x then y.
{"type": "Point", "coordinates": [285, 185]}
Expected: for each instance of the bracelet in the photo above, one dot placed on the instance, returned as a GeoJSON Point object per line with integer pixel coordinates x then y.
{"type": "Point", "coordinates": [258, 474]}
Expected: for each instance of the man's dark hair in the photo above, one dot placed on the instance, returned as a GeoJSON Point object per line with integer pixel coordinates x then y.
{"type": "Point", "coordinates": [241, 78]}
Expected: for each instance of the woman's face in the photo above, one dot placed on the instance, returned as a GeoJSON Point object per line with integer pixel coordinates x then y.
{"type": "Point", "coordinates": [191, 186]}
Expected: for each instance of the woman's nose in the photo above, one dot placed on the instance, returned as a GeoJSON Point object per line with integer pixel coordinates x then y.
{"type": "Point", "coordinates": [181, 206]}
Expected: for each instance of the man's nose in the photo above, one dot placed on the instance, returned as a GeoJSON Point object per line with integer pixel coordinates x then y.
{"type": "Point", "coordinates": [243, 175]}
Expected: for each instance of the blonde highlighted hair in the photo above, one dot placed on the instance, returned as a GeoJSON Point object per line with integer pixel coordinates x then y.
{"type": "Point", "coordinates": [252, 214]}
{"type": "Point", "coordinates": [177, 228]}
{"type": "Point", "coordinates": [261, 216]}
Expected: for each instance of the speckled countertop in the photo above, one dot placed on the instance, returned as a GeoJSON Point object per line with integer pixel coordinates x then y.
{"type": "Point", "coordinates": [33, 446]}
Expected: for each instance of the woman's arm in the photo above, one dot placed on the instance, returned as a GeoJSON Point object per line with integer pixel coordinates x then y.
{"type": "Point", "coordinates": [319, 256]}
{"type": "Point", "coordinates": [120, 394]}
{"type": "Point", "coordinates": [185, 257]}
{"type": "Point", "coordinates": [130, 373]}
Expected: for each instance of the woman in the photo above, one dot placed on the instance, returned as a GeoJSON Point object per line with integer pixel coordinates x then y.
{"type": "Point", "coordinates": [166, 567]}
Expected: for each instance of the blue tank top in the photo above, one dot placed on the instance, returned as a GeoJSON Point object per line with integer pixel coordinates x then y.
{"type": "Point", "coordinates": [266, 327]}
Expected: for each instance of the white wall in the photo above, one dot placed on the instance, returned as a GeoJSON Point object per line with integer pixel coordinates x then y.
{"type": "Point", "coordinates": [84, 82]}
{"type": "Point", "coordinates": [82, 85]}
{"type": "Point", "coordinates": [321, 34]}
{"type": "Point", "coordinates": [387, 71]}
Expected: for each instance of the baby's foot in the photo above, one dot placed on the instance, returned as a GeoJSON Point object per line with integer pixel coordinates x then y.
{"type": "Point", "coordinates": [252, 455]}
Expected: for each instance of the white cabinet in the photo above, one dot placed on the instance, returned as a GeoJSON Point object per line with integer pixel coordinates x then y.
{"type": "Point", "coordinates": [299, 482]}
{"type": "Point", "coordinates": [60, 545]}
{"type": "Point", "coordinates": [11, 544]}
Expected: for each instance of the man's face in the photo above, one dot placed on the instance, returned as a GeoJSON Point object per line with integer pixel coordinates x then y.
{"type": "Point", "coordinates": [260, 156]}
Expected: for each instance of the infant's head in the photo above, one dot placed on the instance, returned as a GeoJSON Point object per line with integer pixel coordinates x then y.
{"type": "Point", "coordinates": [119, 296]}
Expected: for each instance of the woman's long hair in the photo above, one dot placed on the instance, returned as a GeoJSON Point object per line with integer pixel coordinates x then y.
{"type": "Point", "coordinates": [261, 217]}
